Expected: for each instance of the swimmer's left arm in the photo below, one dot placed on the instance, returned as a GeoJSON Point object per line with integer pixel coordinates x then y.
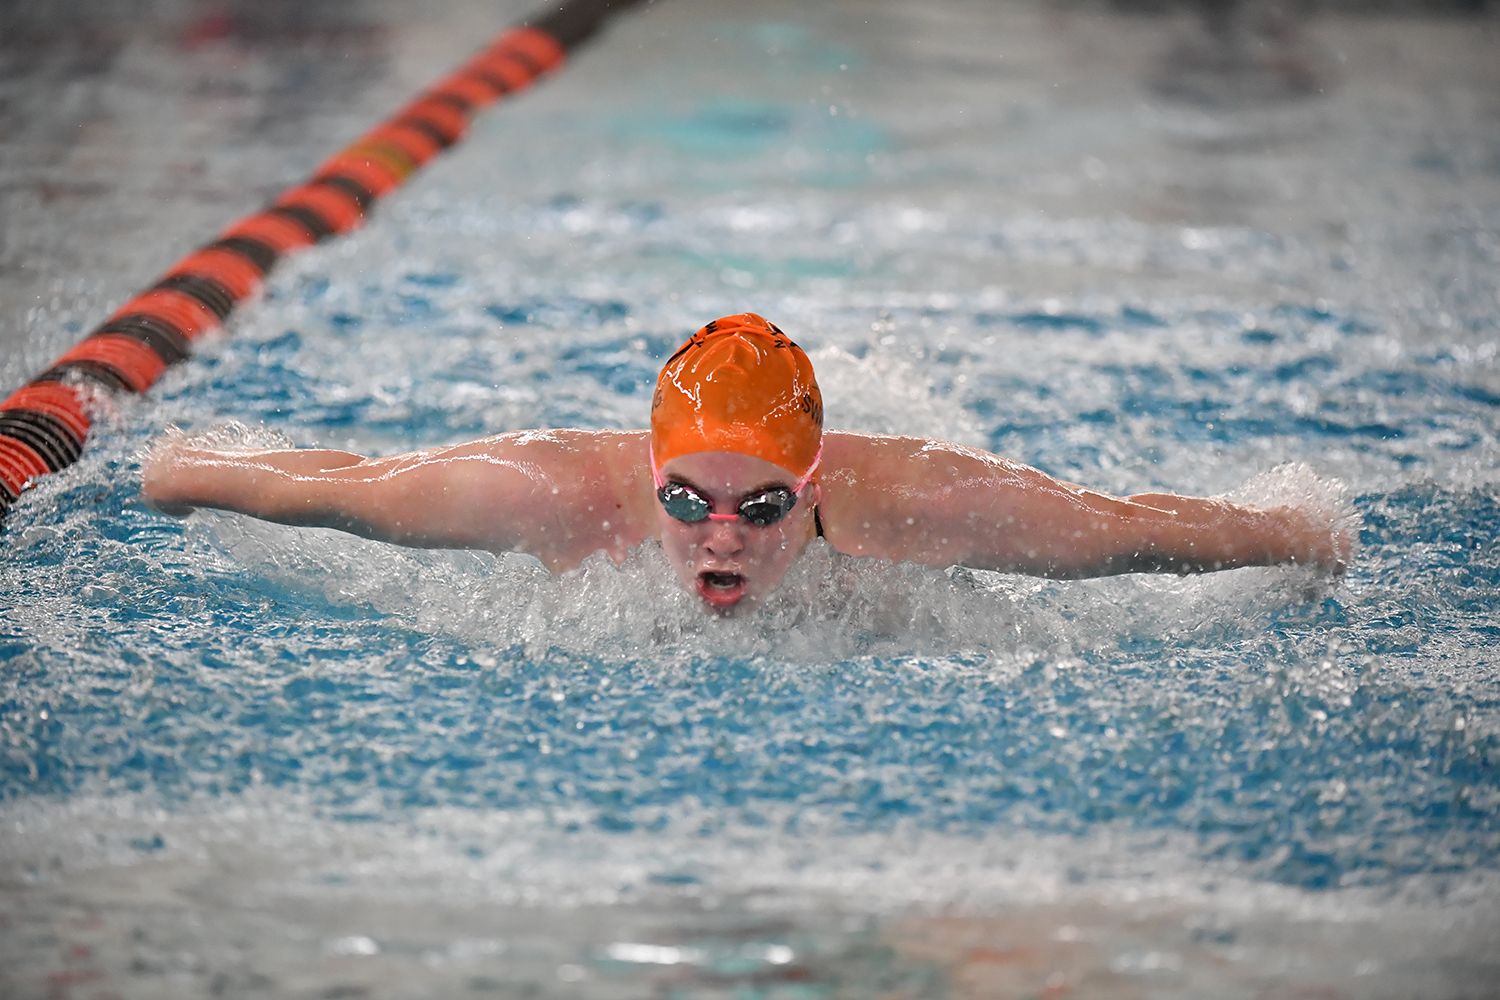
{"type": "Point", "coordinates": [1099, 535]}
{"type": "Point", "coordinates": [943, 504]}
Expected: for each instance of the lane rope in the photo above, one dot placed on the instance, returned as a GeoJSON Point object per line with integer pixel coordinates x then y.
{"type": "Point", "coordinates": [45, 423]}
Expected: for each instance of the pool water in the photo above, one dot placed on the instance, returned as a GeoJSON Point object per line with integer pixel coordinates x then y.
{"type": "Point", "coordinates": [248, 760]}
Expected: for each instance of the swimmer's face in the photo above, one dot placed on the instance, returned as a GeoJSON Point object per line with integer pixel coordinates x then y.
{"type": "Point", "coordinates": [733, 564]}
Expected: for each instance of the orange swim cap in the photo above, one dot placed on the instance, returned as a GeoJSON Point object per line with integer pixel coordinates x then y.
{"type": "Point", "coordinates": [741, 385]}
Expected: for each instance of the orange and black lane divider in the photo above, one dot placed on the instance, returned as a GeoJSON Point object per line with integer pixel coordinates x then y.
{"type": "Point", "coordinates": [45, 423]}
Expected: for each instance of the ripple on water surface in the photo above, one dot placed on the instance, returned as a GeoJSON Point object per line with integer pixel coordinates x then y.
{"type": "Point", "coordinates": [1287, 726]}
{"type": "Point", "coordinates": [348, 717]}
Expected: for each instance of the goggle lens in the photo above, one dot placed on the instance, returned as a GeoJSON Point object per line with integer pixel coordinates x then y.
{"type": "Point", "coordinates": [683, 504]}
{"type": "Point", "coordinates": [765, 509]}
{"type": "Point", "coordinates": [762, 510]}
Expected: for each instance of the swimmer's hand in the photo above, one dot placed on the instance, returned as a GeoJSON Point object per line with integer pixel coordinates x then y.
{"type": "Point", "coordinates": [1317, 537]}
{"type": "Point", "coordinates": [162, 474]}
{"type": "Point", "coordinates": [179, 475]}
{"type": "Point", "coordinates": [1218, 534]}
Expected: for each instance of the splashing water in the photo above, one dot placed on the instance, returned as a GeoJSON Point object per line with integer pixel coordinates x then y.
{"type": "Point", "coordinates": [293, 756]}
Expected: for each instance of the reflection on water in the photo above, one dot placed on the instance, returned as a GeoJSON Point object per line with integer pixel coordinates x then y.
{"type": "Point", "coordinates": [241, 760]}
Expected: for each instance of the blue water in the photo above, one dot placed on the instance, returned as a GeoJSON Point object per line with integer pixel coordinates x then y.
{"type": "Point", "coordinates": [1272, 729]}
{"type": "Point", "coordinates": [174, 665]}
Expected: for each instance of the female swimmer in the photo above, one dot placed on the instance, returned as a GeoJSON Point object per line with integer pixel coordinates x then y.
{"type": "Point", "coordinates": [735, 477]}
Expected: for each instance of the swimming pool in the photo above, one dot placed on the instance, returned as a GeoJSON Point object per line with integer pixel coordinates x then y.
{"type": "Point", "coordinates": [248, 760]}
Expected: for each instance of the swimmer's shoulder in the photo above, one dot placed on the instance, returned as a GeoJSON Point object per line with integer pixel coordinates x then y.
{"type": "Point", "coordinates": [885, 461]}
{"type": "Point", "coordinates": [859, 490]}
{"type": "Point", "coordinates": [587, 490]}
{"type": "Point", "coordinates": [899, 497]}
{"type": "Point", "coordinates": [608, 445]}
{"type": "Point", "coordinates": [621, 461]}
{"type": "Point", "coordinates": [588, 461]}
{"type": "Point", "coordinates": [856, 459]}
{"type": "Point", "coordinates": [594, 467]}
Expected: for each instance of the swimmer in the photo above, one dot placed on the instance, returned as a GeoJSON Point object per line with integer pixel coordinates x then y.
{"type": "Point", "coordinates": [735, 477]}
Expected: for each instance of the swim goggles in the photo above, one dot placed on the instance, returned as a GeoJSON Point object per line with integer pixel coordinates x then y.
{"type": "Point", "coordinates": [762, 508]}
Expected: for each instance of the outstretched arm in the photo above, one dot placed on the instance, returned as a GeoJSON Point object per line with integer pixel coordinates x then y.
{"type": "Point", "coordinates": [943, 504]}
{"type": "Point", "coordinates": [542, 493]}
{"type": "Point", "coordinates": [177, 477]}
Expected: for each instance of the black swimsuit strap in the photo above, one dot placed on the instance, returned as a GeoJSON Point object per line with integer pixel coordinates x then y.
{"type": "Point", "coordinates": [817, 522]}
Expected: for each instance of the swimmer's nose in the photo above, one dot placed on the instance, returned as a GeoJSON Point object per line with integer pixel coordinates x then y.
{"type": "Point", "coordinates": [725, 539]}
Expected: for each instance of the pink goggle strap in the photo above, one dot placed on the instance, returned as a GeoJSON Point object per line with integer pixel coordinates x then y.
{"type": "Point", "coordinates": [658, 480]}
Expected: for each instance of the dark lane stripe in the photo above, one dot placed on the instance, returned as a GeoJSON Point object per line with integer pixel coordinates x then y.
{"type": "Point", "coordinates": [214, 296]}
{"type": "Point", "coordinates": [168, 342]}
{"type": "Point", "coordinates": [94, 371]}
{"type": "Point", "coordinates": [317, 227]}
{"type": "Point", "coordinates": [44, 434]}
{"type": "Point", "coordinates": [427, 128]}
{"type": "Point", "coordinates": [260, 254]}
{"type": "Point", "coordinates": [363, 196]}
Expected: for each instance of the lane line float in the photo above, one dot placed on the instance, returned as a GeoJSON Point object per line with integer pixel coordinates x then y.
{"type": "Point", "coordinates": [45, 423]}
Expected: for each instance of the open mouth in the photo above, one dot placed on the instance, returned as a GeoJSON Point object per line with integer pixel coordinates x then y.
{"type": "Point", "coordinates": [721, 590]}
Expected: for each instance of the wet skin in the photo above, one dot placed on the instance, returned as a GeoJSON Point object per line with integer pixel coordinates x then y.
{"type": "Point", "coordinates": [730, 564]}
{"type": "Point", "coordinates": [563, 495]}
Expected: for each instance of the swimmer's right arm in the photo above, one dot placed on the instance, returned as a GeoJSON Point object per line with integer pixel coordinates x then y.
{"type": "Point", "coordinates": [177, 478]}
{"type": "Point", "coordinates": [542, 494]}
